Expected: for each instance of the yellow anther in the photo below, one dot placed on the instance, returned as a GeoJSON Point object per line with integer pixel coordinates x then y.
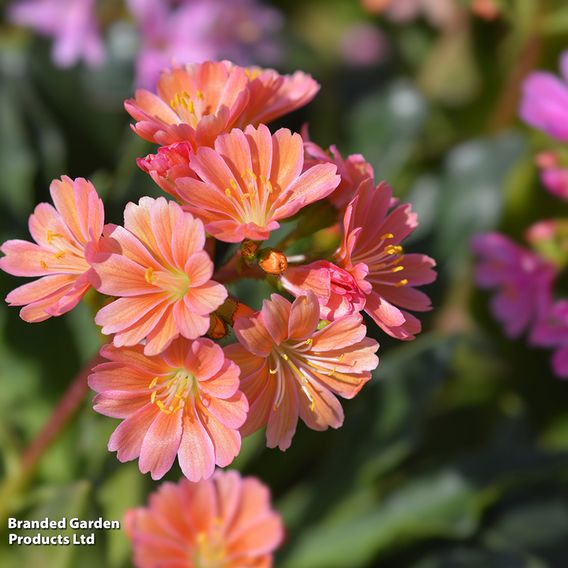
{"type": "Point", "coordinates": [272, 371]}
{"type": "Point", "coordinates": [262, 179]}
{"type": "Point", "coordinates": [397, 268]}
{"type": "Point", "coordinates": [51, 235]}
{"type": "Point", "coordinates": [149, 275]}
{"type": "Point", "coordinates": [228, 192]}
{"type": "Point", "coordinates": [247, 195]}
{"type": "Point", "coordinates": [269, 186]}
{"type": "Point", "coordinates": [284, 356]}
{"type": "Point", "coordinates": [309, 341]}
{"type": "Point", "coordinates": [251, 174]}
{"type": "Point", "coordinates": [233, 184]}
{"type": "Point", "coordinates": [43, 264]}
{"type": "Point", "coordinates": [387, 236]}
{"type": "Point", "coordinates": [401, 283]}
{"type": "Point", "coordinates": [313, 405]}
{"type": "Point", "coordinates": [153, 397]}
{"type": "Point", "coordinates": [153, 383]}
{"type": "Point", "coordinates": [163, 408]}
{"type": "Point", "coordinates": [199, 95]}
{"type": "Point", "coordinates": [59, 254]}
{"type": "Point", "coordinates": [393, 249]}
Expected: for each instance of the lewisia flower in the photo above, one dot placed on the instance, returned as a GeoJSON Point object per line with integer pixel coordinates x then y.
{"type": "Point", "coordinates": [157, 267]}
{"type": "Point", "coordinates": [198, 102]}
{"type": "Point", "coordinates": [168, 165]}
{"type": "Point", "coordinates": [289, 369]}
{"type": "Point", "coordinates": [372, 253]}
{"type": "Point", "coordinates": [545, 101]}
{"type": "Point", "coordinates": [553, 175]}
{"type": "Point", "coordinates": [250, 181]}
{"type": "Point", "coordinates": [551, 330]}
{"type": "Point", "coordinates": [353, 170]}
{"type": "Point", "coordinates": [184, 402]}
{"type": "Point", "coordinates": [522, 278]}
{"type": "Point", "coordinates": [61, 234]}
{"type": "Point", "coordinates": [224, 522]}
{"type": "Point", "coordinates": [72, 23]}
{"type": "Point", "coordinates": [339, 291]}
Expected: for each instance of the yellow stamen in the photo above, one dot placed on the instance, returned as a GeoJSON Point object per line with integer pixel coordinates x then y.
{"type": "Point", "coordinates": [59, 254]}
{"type": "Point", "coordinates": [153, 383]}
{"type": "Point", "coordinates": [397, 268]}
{"type": "Point", "coordinates": [401, 283]}
{"type": "Point", "coordinates": [227, 192]}
{"type": "Point", "coordinates": [393, 249]}
{"type": "Point", "coordinates": [387, 236]}
{"type": "Point", "coordinates": [149, 275]}
{"type": "Point", "coordinates": [43, 264]}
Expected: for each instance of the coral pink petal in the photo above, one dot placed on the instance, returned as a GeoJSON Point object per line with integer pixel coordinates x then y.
{"type": "Point", "coordinates": [189, 323]}
{"type": "Point", "coordinates": [275, 315]}
{"type": "Point", "coordinates": [196, 453]}
{"type": "Point", "coordinates": [161, 442]}
{"type": "Point", "coordinates": [326, 410]}
{"type": "Point", "coordinates": [127, 439]}
{"type": "Point", "coordinates": [342, 332]}
{"type": "Point", "coordinates": [283, 420]}
{"type": "Point", "coordinates": [226, 441]}
{"type": "Point", "coordinates": [252, 333]}
{"type": "Point", "coordinates": [205, 360]}
{"type": "Point", "coordinates": [304, 316]}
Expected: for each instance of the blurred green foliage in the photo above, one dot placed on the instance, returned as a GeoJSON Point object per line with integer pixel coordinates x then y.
{"type": "Point", "coordinates": [456, 453]}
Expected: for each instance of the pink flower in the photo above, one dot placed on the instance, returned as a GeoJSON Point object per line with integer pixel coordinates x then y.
{"type": "Point", "coordinates": [72, 23]}
{"type": "Point", "coordinates": [184, 402]}
{"type": "Point", "coordinates": [167, 166]}
{"type": "Point", "coordinates": [339, 291]}
{"type": "Point", "coordinates": [552, 175]}
{"type": "Point", "coordinates": [289, 369]}
{"type": "Point", "coordinates": [545, 101]}
{"type": "Point", "coordinates": [440, 13]}
{"type": "Point", "coordinates": [250, 181]}
{"type": "Point", "coordinates": [273, 95]}
{"type": "Point", "coordinates": [522, 280]}
{"type": "Point", "coordinates": [224, 522]}
{"type": "Point", "coordinates": [61, 233]}
{"type": "Point", "coordinates": [371, 252]}
{"type": "Point", "coordinates": [551, 330]}
{"type": "Point", "coordinates": [157, 267]}
{"type": "Point", "coordinates": [199, 30]}
{"type": "Point", "coordinates": [198, 102]}
{"type": "Point", "coordinates": [353, 170]}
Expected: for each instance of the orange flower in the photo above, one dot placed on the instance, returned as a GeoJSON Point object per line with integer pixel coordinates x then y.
{"type": "Point", "coordinates": [61, 233]}
{"type": "Point", "coordinates": [198, 102]}
{"type": "Point", "coordinates": [289, 369]}
{"type": "Point", "coordinates": [250, 181]}
{"type": "Point", "coordinates": [224, 522]}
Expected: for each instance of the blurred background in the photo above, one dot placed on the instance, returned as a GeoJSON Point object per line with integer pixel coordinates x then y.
{"type": "Point", "coordinates": [456, 454]}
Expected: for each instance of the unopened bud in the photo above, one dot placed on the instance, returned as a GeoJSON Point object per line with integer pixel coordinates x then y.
{"type": "Point", "coordinates": [272, 261]}
{"type": "Point", "coordinates": [248, 250]}
{"type": "Point", "coordinates": [217, 327]}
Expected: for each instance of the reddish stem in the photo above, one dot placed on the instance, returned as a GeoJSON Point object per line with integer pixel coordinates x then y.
{"type": "Point", "coordinates": [60, 417]}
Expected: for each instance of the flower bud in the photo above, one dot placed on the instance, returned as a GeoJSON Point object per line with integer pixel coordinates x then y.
{"type": "Point", "coordinates": [217, 328]}
{"type": "Point", "coordinates": [272, 261]}
{"type": "Point", "coordinates": [249, 250]}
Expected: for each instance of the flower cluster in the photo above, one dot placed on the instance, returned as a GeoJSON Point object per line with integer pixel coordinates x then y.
{"type": "Point", "coordinates": [526, 278]}
{"type": "Point", "coordinates": [163, 303]}
{"type": "Point", "coordinates": [177, 392]}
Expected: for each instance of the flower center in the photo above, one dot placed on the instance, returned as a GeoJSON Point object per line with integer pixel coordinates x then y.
{"type": "Point", "coordinates": [190, 109]}
{"type": "Point", "coordinates": [175, 282]}
{"type": "Point", "coordinates": [383, 258]}
{"type": "Point", "coordinates": [304, 364]}
{"type": "Point", "coordinates": [171, 393]}
{"type": "Point", "coordinates": [210, 551]}
{"type": "Point", "coordinates": [252, 197]}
